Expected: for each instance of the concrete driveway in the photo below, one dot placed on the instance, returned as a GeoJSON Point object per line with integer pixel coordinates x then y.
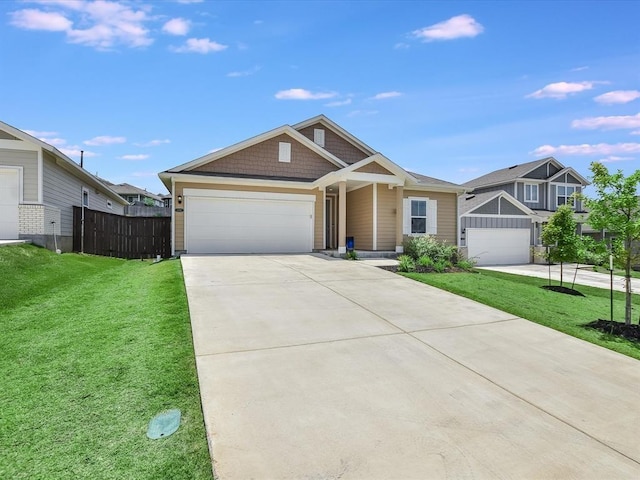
{"type": "Point", "coordinates": [583, 276]}
{"type": "Point", "coordinates": [318, 368]}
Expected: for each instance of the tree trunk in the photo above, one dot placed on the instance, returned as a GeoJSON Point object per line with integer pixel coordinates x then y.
{"type": "Point", "coordinates": [561, 263]}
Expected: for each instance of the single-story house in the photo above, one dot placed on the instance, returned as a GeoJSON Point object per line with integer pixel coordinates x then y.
{"type": "Point", "coordinates": [301, 188]}
{"type": "Point", "coordinates": [502, 216]}
{"type": "Point", "coordinates": [39, 186]}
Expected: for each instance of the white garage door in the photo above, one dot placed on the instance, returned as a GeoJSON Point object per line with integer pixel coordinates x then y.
{"type": "Point", "coordinates": [247, 222]}
{"type": "Point", "coordinates": [498, 246]}
{"type": "Point", "coordinates": [9, 195]}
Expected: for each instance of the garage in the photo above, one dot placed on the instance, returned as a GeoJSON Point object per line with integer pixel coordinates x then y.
{"type": "Point", "coordinates": [498, 246]}
{"type": "Point", "coordinates": [221, 221]}
{"type": "Point", "coordinates": [9, 198]}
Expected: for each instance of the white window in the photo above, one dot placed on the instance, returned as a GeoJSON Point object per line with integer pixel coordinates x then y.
{"type": "Point", "coordinates": [318, 136]}
{"type": "Point", "coordinates": [109, 205]}
{"type": "Point", "coordinates": [564, 195]}
{"type": "Point", "coordinates": [531, 193]}
{"type": "Point", "coordinates": [284, 152]}
{"type": "Point", "coordinates": [85, 197]}
{"type": "Point", "coordinates": [420, 216]}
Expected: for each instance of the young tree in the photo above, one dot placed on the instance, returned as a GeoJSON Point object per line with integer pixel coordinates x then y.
{"type": "Point", "coordinates": [616, 209]}
{"type": "Point", "coordinates": [560, 233]}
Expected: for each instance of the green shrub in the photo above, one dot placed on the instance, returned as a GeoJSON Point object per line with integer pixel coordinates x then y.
{"type": "Point", "coordinates": [466, 264]}
{"type": "Point", "coordinates": [425, 261]}
{"type": "Point", "coordinates": [441, 266]}
{"type": "Point", "coordinates": [592, 252]}
{"type": "Point", "coordinates": [406, 264]}
{"type": "Point", "coordinates": [351, 255]}
{"type": "Point", "coordinates": [428, 246]}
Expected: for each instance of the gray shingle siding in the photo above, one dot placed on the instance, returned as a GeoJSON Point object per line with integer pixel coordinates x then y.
{"type": "Point", "coordinates": [508, 208]}
{"type": "Point", "coordinates": [29, 163]}
{"type": "Point", "coordinates": [63, 190]}
{"type": "Point", "coordinates": [539, 173]}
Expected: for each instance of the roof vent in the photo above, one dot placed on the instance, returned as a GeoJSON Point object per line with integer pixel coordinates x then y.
{"type": "Point", "coordinates": [470, 197]}
{"type": "Point", "coordinates": [511, 168]}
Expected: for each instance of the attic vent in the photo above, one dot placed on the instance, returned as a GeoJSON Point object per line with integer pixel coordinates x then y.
{"type": "Point", "coordinates": [470, 197]}
{"type": "Point", "coordinates": [318, 136]}
{"type": "Point", "coordinates": [284, 152]}
{"type": "Point", "coordinates": [511, 168]}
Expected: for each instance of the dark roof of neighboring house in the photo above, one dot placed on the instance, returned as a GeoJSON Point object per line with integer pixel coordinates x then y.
{"type": "Point", "coordinates": [509, 174]}
{"type": "Point", "coordinates": [423, 179]}
{"type": "Point", "coordinates": [127, 189]}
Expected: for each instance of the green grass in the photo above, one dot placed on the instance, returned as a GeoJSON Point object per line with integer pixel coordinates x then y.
{"type": "Point", "coordinates": [523, 297]}
{"type": "Point", "coordinates": [92, 349]}
{"type": "Point", "coordinates": [617, 271]}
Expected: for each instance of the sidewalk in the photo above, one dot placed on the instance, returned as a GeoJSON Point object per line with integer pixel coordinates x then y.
{"type": "Point", "coordinates": [585, 275]}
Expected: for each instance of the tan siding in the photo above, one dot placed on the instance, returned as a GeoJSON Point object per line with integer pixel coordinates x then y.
{"type": "Point", "coordinates": [386, 218]}
{"type": "Point", "coordinates": [262, 160]}
{"type": "Point", "coordinates": [28, 160]}
{"type": "Point", "coordinates": [374, 167]}
{"type": "Point", "coordinates": [360, 217]}
{"type": "Point", "coordinates": [318, 215]}
{"type": "Point", "coordinates": [63, 190]}
{"type": "Point", "coordinates": [335, 144]}
{"type": "Point", "coordinates": [447, 216]}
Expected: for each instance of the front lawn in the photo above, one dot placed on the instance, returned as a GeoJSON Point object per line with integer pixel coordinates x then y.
{"type": "Point", "coordinates": [92, 349]}
{"type": "Point", "coordinates": [523, 297]}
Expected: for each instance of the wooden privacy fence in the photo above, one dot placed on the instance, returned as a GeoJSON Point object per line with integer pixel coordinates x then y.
{"type": "Point", "coordinates": [114, 235]}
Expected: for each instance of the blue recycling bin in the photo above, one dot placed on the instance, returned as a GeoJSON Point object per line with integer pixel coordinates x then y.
{"type": "Point", "coordinates": [351, 244]}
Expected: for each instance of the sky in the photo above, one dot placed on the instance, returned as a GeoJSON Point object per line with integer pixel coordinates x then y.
{"type": "Point", "coordinates": [451, 90]}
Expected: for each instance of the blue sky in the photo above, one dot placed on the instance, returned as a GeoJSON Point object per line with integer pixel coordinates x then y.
{"type": "Point", "coordinates": [448, 89]}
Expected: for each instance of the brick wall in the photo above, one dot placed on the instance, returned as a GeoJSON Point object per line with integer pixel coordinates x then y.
{"type": "Point", "coordinates": [31, 219]}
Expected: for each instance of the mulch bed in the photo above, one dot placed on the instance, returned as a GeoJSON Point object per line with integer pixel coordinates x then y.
{"type": "Point", "coordinates": [563, 289]}
{"type": "Point", "coordinates": [630, 332]}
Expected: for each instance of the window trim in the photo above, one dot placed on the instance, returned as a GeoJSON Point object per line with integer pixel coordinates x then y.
{"type": "Point", "coordinates": [565, 196]}
{"type": "Point", "coordinates": [85, 191]}
{"type": "Point", "coordinates": [532, 198]}
{"type": "Point", "coordinates": [425, 216]}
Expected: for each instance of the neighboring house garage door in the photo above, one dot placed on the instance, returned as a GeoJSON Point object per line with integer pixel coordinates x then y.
{"type": "Point", "coordinates": [9, 196]}
{"type": "Point", "coordinates": [247, 222]}
{"type": "Point", "coordinates": [498, 246]}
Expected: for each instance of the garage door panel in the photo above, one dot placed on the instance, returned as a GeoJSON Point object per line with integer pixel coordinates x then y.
{"type": "Point", "coordinates": [498, 246]}
{"type": "Point", "coordinates": [9, 199]}
{"type": "Point", "coordinates": [239, 225]}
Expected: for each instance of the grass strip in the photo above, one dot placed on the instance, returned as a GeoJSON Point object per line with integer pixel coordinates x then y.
{"type": "Point", "coordinates": [93, 348]}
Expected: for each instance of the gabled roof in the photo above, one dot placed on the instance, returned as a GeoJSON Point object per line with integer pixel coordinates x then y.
{"type": "Point", "coordinates": [285, 129]}
{"type": "Point", "coordinates": [65, 161]}
{"type": "Point", "coordinates": [472, 201]}
{"type": "Point", "coordinates": [509, 174]}
{"type": "Point", "coordinates": [570, 171]}
{"type": "Point", "coordinates": [337, 129]}
{"type": "Point", "coordinates": [127, 189]}
{"type": "Point", "coordinates": [424, 181]}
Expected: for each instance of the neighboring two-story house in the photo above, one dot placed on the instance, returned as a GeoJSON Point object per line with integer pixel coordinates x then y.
{"type": "Point", "coordinates": [501, 218]}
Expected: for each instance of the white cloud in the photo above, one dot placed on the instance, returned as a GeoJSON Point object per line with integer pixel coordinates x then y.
{"type": "Point", "coordinates": [338, 103]}
{"type": "Point", "coordinates": [32, 19]}
{"type": "Point", "coordinates": [74, 151]}
{"type": "Point", "coordinates": [39, 134]}
{"type": "Point", "coordinates": [302, 94]}
{"type": "Point", "coordinates": [104, 140]}
{"type": "Point", "coordinates": [187, 2]}
{"type": "Point", "coordinates": [140, 156]}
{"type": "Point", "coordinates": [144, 174]}
{"type": "Point", "coordinates": [618, 96]}
{"type": "Point", "coordinates": [199, 45]}
{"type": "Point", "coordinates": [177, 26]}
{"type": "Point", "coordinates": [244, 73]}
{"type": "Point", "coordinates": [613, 158]}
{"type": "Point", "coordinates": [456, 27]}
{"type": "Point", "coordinates": [561, 89]}
{"type": "Point", "coordinates": [401, 46]}
{"type": "Point", "coordinates": [579, 69]}
{"type": "Point", "coordinates": [153, 143]}
{"type": "Point", "coordinates": [587, 149]}
{"type": "Point", "coordinates": [608, 123]}
{"type": "Point", "coordinates": [360, 113]}
{"type": "Point", "coordinates": [385, 95]}
{"type": "Point", "coordinates": [106, 24]}
{"type": "Point", "coordinates": [635, 132]}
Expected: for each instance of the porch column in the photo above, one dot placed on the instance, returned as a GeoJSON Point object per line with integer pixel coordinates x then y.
{"type": "Point", "coordinates": [342, 217]}
{"type": "Point", "coordinates": [399, 219]}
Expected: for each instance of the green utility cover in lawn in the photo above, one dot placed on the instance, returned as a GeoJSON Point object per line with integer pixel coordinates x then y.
{"type": "Point", "coordinates": [164, 424]}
